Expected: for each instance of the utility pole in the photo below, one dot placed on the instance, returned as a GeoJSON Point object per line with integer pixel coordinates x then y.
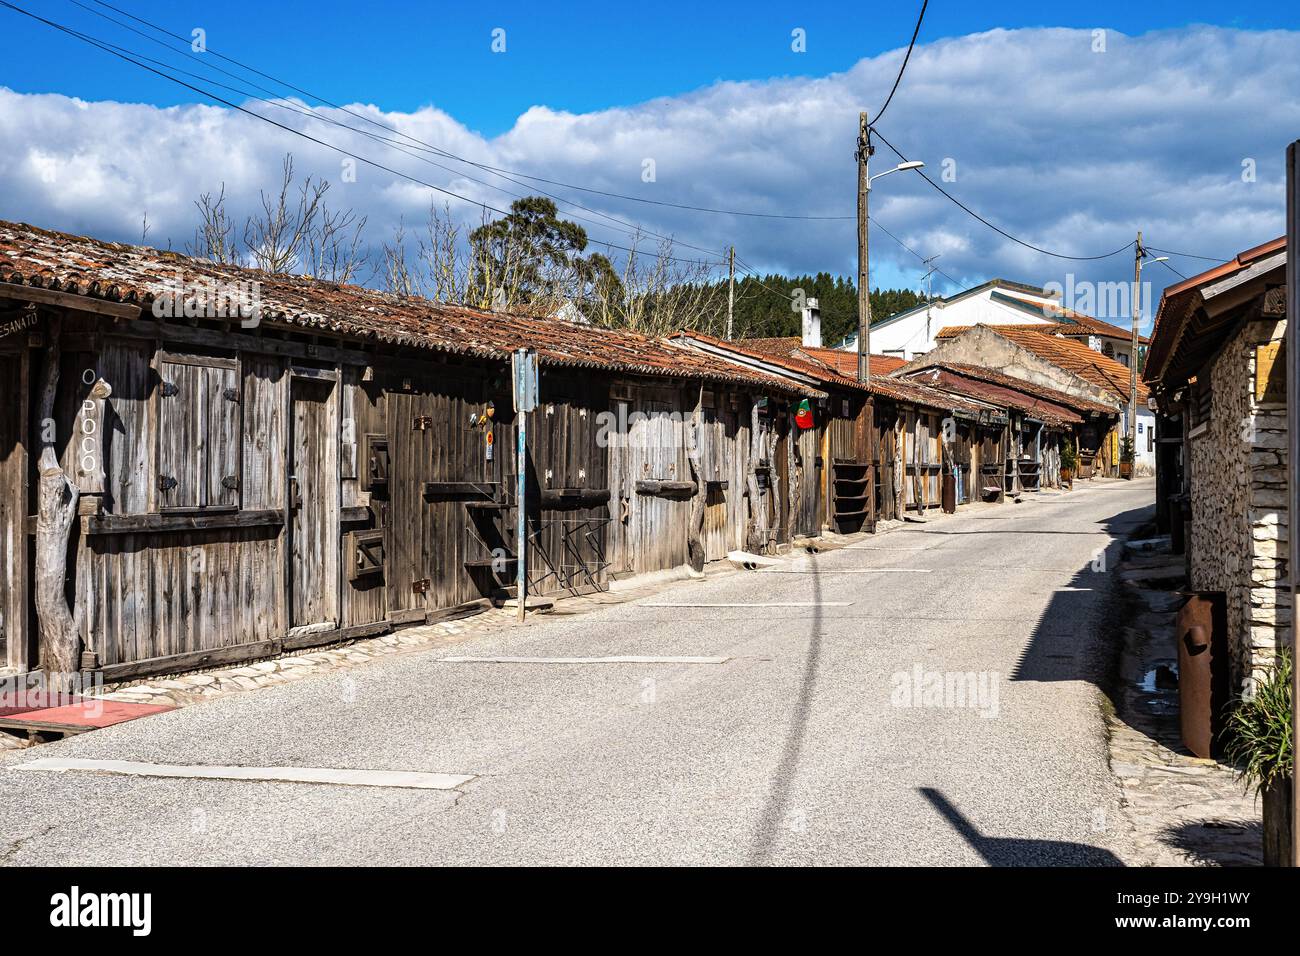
{"type": "Point", "coordinates": [865, 150]}
{"type": "Point", "coordinates": [928, 279]}
{"type": "Point", "coordinates": [1138, 253]}
{"type": "Point", "coordinates": [731, 293]}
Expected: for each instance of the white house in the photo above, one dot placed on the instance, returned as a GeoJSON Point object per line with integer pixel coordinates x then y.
{"type": "Point", "coordinates": [996, 302]}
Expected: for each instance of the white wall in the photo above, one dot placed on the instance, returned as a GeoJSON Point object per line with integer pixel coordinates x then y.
{"type": "Point", "coordinates": [911, 335]}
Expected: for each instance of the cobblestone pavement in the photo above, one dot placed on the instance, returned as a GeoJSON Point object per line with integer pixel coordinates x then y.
{"type": "Point", "coordinates": [1182, 810]}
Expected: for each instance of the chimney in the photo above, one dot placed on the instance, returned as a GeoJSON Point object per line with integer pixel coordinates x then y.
{"type": "Point", "coordinates": [812, 325]}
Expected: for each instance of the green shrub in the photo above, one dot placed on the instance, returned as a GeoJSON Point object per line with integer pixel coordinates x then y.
{"type": "Point", "coordinates": [1069, 456]}
{"type": "Point", "coordinates": [1260, 734]}
{"type": "Point", "coordinates": [1126, 449]}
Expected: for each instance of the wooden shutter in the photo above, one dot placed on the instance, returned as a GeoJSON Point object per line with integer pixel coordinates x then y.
{"type": "Point", "coordinates": [180, 436]}
{"type": "Point", "coordinates": [222, 426]}
{"type": "Point", "coordinates": [198, 434]}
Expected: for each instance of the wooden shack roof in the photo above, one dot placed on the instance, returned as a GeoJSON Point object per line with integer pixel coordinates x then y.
{"type": "Point", "coordinates": [1186, 335]}
{"type": "Point", "coordinates": [833, 369]}
{"type": "Point", "coordinates": [1048, 405]}
{"type": "Point", "coordinates": [137, 275]}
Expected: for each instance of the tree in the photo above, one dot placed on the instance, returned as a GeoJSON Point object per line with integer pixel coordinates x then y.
{"type": "Point", "coordinates": [531, 256]}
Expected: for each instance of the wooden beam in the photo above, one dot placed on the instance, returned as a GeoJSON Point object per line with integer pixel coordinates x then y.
{"type": "Point", "coordinates": [133, 524]}
{"type": "Point", "coordinates": [68, 300]}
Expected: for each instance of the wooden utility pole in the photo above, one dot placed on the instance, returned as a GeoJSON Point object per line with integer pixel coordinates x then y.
{"type": "Point", "coordinates": [864, 286]}
{"type": "Point", "coordinates": [731, 293]}
{"type": "Point", "coordinates": [1138, 253]}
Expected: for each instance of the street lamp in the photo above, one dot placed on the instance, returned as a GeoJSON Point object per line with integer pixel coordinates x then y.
{"type": "Point", "coordinates": [901, 167]}
{"type": "Point", "coordinates": [865, 150]}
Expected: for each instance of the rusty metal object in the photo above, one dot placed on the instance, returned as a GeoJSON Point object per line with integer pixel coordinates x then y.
{"type": "Point", "coordinates": [1202, 634]}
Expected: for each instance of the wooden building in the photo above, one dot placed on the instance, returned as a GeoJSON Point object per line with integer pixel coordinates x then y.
{"type": "Point", "coordinates": [1038, 420]}
{"type": "Point", "coordinates": [201, 463]}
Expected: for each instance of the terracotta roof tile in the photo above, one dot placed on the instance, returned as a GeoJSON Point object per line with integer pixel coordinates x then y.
{"type": "Point", "coordinates": [1068, 353]}
{"type": "Point", "coordinates": [137, 275]}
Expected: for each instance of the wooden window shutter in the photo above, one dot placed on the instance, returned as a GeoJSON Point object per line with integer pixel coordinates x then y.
{"type": "Point", "coordinates": [198, 435]}
{"type": "Point", "coordinates": [223, 439]}
{"type": "Point", "coordinates": [180, 436]}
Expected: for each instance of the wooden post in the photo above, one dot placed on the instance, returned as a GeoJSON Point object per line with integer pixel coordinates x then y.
{"type": "Point", "coordinates": [864, 285]}
{"type": "Point", "coordinates": [1133, 355]}
{"type": "Point", "coordinates": [731, 293]}
{"type": "Point", "coordinates": [694, 534]}
{"type": "Point", "coordinates": [56, 508]}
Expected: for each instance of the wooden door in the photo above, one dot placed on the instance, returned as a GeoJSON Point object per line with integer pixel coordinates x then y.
{"type": "Point", "coordinates": [314, 490]}
{"type": "Point", "coordinates": [13, 511]}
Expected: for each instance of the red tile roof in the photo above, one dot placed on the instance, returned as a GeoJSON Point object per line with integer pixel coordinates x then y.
{"type": "Point", "coordinates": [137, 275]}
{"type": "Point", "coordinates": [978, 387]}
{"type": "Point", "coordinates": [1069, 354]}
{"type": "Point", "coordinates": [837, 368]}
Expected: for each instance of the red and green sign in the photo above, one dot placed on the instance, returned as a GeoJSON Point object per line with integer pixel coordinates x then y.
{"type": "Point", "coordinates": [803, 416]}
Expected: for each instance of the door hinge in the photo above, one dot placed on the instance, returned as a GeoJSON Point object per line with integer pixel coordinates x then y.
{"type": "Point", "coordinates": [168, 389]}
{"type": "Point", "coordinates": [230, 483]}
{"type": "Point", "coordinates": [421, 586]}
{"type": "Point", "coordinates": [422, 423]}
{"type": "Point", "coordinates": [230, 394]}
{"type": "Point", "coordinates": [166, 482]}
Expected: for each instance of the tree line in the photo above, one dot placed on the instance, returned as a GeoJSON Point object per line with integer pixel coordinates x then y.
{"type": "Point", "coordinates": [528, 260]}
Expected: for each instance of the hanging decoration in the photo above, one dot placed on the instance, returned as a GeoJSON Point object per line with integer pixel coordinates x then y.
{"type": "Point", "coordinates": [803, 416]}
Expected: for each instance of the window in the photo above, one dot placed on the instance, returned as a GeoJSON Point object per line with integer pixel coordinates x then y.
{"type": "Point", "coordinates": [198, 433]}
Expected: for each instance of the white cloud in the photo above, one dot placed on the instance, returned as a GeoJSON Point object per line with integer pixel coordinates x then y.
{"type": "Point", "coordinates": [1070, 149]}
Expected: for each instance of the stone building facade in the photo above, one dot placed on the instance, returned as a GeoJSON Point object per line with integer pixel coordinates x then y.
{"type": "Point", "coordinates": [1238, 486]}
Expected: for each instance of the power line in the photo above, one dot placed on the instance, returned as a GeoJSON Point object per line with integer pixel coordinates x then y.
{"type": "Point", "coordinates": [634, 228]}
{"type": "Point", "coordinates": [1188, 255]}
{"type": "Point", "coordinates": [994, 227]}
{"type": "Point", "coordinates": [370, 162]}
{"type": "Point", "coordinates": [1165, 264]}
{"type": "Point", "coordinates": [898, 79]}
{"type": "Point", "coordinates": [496, 170]}
{"type": "Point", "coordinates": [499, 170]}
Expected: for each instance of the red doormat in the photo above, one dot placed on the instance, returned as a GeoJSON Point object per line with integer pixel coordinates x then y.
{"type": "Point", "coordinates": [68, 713]}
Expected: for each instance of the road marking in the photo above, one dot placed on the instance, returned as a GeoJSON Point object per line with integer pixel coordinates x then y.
{"type": "Point", "coordinates": [405, 779]}
{"type": "Point", "coordinates": [845, 571]}
{"type": "Point", "coordinates": [770, 604]}
{"type": "Point", "coordinates": [583, 660]}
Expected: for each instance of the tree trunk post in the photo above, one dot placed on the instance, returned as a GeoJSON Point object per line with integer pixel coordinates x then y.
{"type": "Point", "coordinates": [56, 508]}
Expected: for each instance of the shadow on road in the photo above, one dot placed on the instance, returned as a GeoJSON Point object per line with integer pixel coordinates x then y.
{"type": "Point", "coordinates": [778, 798]}
{"type": "Point", "coordinates": [1077, 637]}
{"type": "Point", "coordinates": [1012, 851]}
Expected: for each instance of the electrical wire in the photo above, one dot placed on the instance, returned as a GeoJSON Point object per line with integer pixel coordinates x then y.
{"type": "Point", "coordinates": [1187, 255]}
{"type": "Point", "coordinates": [998, 229]}
{"type": "Point", "coordinates": [907, 56]}
{"type": "Point", "coordinates": [499, 170]}
{"type": "Point", "coordinates": [109, 48]}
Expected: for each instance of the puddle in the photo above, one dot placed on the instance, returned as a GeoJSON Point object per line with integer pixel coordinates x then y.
{"type": "Point", "coordinates": [1162, 677]}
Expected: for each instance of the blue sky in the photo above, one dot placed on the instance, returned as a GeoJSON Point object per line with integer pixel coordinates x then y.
{"type": "Point", "coordinates": [1072, 148]}
{"type": "Point", "coordinates": [576, 56]}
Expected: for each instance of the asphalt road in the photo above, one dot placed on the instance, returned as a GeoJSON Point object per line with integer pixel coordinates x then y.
{"type": "Point", "coordinates": [805, 747]}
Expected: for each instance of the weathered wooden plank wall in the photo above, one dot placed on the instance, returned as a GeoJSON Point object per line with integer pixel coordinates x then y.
{"type": "Point", "coordinates": [13, 510]}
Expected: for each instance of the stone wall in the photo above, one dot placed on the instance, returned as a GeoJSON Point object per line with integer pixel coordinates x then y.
{"type": "Point", "coordinates": [1238, 539]}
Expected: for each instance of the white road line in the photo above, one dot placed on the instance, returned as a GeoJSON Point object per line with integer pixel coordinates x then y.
{"type": "Point", "coordinates": [845, 571]}
{"type": "Point", "coordinates": [688, 604]}
{"type": "Point", "coordinates": [583, 660]}
{"type": "Point", "coordinates": [405, 779]}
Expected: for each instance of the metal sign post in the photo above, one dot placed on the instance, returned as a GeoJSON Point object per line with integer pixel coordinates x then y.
{"type": "Point", "coordinates": [524, 367]}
